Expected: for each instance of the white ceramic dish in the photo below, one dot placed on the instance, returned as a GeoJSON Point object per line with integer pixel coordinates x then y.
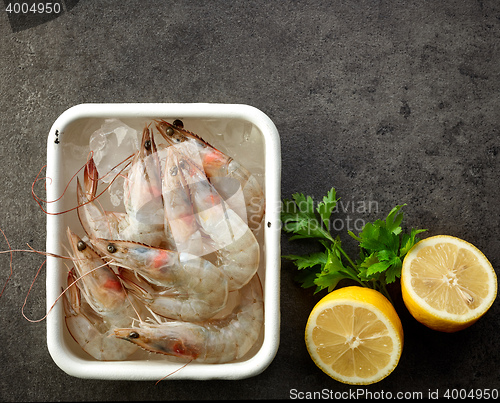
{"type": "Point", "coordinates": [67, 151]}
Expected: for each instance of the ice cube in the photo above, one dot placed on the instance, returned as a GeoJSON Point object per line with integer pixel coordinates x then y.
{"type": "Point", "coordinates": [111, 144]}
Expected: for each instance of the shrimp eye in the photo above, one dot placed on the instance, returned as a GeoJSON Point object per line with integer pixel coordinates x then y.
{"type": "Point", "coordinates": [133, 335]}
{"type": "Point", "coordinates": [169, 131]}
{"type": "Point", "coordinates": [147, 145]}
{"type": "Point", "coordinates": [174, 170]}
{"type": "Point", "coordinates": [178, 123]}
{"type": "Point", "coordinates": [81, 245]}
{"type": "Point", "coordinates": [111, 248]}
{"type": "Point", "coordinates": [182, 164]}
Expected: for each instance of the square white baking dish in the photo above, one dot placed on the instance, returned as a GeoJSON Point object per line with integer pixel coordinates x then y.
{"type": "Point", "coordinates": [257, 145]}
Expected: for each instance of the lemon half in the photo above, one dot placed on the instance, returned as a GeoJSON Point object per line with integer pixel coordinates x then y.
{"type": "Point", "coordinates": [447, 283]}
{"type": "Point", "coordinates": [355, 335]}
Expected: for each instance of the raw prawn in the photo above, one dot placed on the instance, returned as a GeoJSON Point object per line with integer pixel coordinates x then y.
{"type": "Point", "coordinates": [191, 288]}
{"type": "Point", "coordinates": [96, 222]}
{"type": "Point", "coordinates": [234, 242]}
{"type": "Point", "coordinates": [214, 341]}
{"type": "Point", "coordinates": [143, 198]}
{"type": "Point", "coordinates": [221, 169]}
{"type": "Point", "coordinates": [97, 303]}
{"type": "Point", "coordinates": [178, 207]}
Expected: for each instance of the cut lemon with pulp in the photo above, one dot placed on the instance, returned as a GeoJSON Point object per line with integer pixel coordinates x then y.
{"type": "Point", "coordinates": [447, 284]}
{"type": "Point", "coordinates": [354, 335]}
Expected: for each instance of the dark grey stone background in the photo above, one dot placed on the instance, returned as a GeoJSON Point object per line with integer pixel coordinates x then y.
{"type": "Point", "coordinates": [389, 101]}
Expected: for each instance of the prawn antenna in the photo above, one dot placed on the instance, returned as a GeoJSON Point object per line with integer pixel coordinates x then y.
{"type": "Point", "coordinates": [60, 295]}
{"type": "Point", "coordinates": [32, 250]}
{"type": "Point", "coordinates": [177, 370]}
{"type": "Point", "coordinates": [10, 263]}
{"type": "Point", "coordinates": [41, 201]}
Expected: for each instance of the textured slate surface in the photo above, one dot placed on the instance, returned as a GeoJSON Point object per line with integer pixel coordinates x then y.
{"type": "Point", "coordinates": [391, 102]}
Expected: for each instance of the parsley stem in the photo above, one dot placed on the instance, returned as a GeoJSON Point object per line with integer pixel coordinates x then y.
{"type": "Point", "coordinates": [361, 282]}
{"type": "Point", "coordinates": [336, 243]}
{"type": "Point", "coordinates": [382, 288]}
{"type": "Point", "coordinates": [328, 236]}
{"type": "Point", "coordinates": [348, 259]}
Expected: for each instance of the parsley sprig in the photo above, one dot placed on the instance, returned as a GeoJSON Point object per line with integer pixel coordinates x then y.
{"type": "Point", "coordinates": [382, 246]}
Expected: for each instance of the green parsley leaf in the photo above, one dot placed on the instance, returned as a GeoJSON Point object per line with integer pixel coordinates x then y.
{"type": "Point", "coordinates": [409, 240]}
{"type": "Point", "coordinates": [326, 207]}
{"type": "Point", "coordinates": [302, 262]}
{"type": "Point", "coordinates": [299, 217]}
{"type": "Point", "coordinates": [333, 271]}
{"type": "Point", "coordinates": [393, 220]}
